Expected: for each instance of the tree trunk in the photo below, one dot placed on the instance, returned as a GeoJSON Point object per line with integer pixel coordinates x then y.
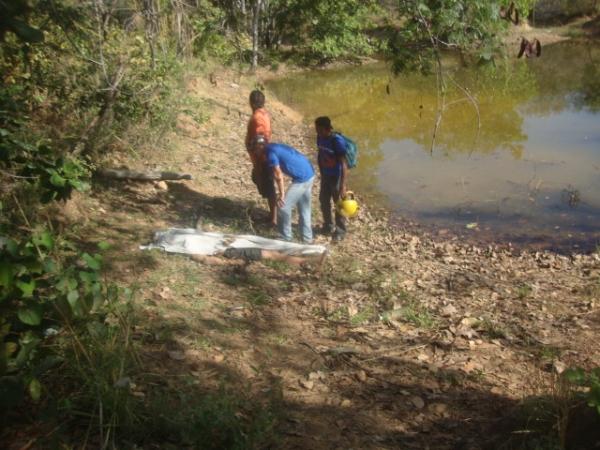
{"type": "Point", "coordinates": [126, 174]}
{"type": "Point", "coordinates": [150, 14]}
{"type": "Point", "coordinates": [255, 33]}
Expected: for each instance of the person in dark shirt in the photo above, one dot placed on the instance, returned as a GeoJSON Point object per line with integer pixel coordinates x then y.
{"type": "Point", "coordinates": [285, 160]}
{"type": "Point", "coordinates": [334, 168]}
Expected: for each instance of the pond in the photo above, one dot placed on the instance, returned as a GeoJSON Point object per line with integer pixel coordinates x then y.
{"type": "Point", "coordinates": [530, 174]}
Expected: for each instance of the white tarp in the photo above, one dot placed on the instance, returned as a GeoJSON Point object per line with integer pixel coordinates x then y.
{"type": "Point", "coordinates": [194, 242]}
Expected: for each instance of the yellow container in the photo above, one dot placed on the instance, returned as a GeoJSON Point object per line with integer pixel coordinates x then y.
{"type": "Point", "coordinates": [348, 206]}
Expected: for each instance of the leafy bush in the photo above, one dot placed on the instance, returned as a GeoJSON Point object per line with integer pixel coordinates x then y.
{"type": "Point", "coordinates": [45, 285]}
{"type": "Point", "coordinates": [589, 381]}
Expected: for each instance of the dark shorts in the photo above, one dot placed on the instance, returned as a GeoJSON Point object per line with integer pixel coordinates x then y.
{"type": "Point", "coordinates": [264, 182]}
{"type": "Point", "coordinates": [248, 254]}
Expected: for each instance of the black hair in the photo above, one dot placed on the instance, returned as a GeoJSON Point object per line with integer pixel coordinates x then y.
{"type": "Point", "coordinates": [257, 99]}
{"type": "Point", "coordinates": [324, 122]}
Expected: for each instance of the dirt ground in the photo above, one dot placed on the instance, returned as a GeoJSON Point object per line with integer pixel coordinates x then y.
{"type": "Point", "coordinates": [403, 340]}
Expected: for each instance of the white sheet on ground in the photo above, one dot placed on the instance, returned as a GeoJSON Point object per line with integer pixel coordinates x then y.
{"type": "Point", "coordinates": [194, 242]}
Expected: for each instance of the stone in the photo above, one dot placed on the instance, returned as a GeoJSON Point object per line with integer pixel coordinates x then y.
{"type": "Point", "coordinates": [417, 401]}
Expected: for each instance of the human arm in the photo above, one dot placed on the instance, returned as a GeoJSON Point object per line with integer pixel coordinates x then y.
{"type": "Point", "coordinates": [340, 152]}
{"type": "Point", "coordinates": [278, 177]}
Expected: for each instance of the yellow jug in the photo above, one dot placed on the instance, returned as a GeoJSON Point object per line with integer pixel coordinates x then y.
{"type": "Point", "coordinates": [348, 206]}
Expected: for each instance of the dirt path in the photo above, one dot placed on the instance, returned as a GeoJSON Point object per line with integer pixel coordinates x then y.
{"type": "Point", "coordinates": [401, 342]}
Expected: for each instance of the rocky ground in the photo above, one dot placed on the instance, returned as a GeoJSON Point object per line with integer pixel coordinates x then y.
{"type": "Point", "coordinates": [401, 341]}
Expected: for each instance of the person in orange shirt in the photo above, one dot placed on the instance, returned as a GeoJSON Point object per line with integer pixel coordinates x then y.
{"type": "Point", "coordinates": [260, 124]}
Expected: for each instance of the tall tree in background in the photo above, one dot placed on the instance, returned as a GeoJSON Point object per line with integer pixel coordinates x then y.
{"type": "Point", "coordinates": [256, 9]}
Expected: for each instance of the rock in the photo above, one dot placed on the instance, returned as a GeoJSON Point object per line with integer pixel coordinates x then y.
{"type": "Point", "coordinates": [124, 382]}
{"type": "Point", "coordinates": [346, 403]}
{"type": "Point", "coordinates": [176, 355]}
{"type": "Point", "coordinates": [448, 311]}
{"type": "Point", "coordinates": [161, 186]}
{"type": "Point", "coordinates": [218, 358]}
{"type": "Point", "coordinates": [318, 375]}
{"type": "Point", "coordinates": [361, 376]}
{"type": "Point", "coordinates": [417, 401]}
{"type": "Point", "coordinates": [439, 409]}
{"type": "Point", "coordinates": [307, 384]}
{"type": "Point", "coordinates": [352, 310]}
{"type": "Point", "coordinates": [165, 293]}
{"type": "Point", "coordinates": [471, 366]}
{"type": "Point", "coordinates": [559, 366]}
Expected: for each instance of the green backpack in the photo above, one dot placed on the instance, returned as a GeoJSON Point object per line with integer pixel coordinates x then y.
{"type": "Point", "coordinates": [351, 151]}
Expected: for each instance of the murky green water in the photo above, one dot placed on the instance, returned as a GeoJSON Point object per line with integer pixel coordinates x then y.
{"type": "Point", "coordinates": [530, 174]}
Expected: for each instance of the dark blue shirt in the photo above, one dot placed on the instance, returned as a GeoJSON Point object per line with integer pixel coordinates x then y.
{"type": "Point", "coordinates": [293, 163]}
{"type": "Point", "coordinates": [330, 150]}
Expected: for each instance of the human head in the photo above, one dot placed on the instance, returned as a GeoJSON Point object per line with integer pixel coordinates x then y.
{"type": "Point", "coordinates": [323, 126]}
{"type": "Point", "coordinates": [257, 99]}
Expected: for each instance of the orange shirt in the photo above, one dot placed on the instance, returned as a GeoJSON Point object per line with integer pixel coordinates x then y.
{"type": "Point", "coordinates": [259, 123]}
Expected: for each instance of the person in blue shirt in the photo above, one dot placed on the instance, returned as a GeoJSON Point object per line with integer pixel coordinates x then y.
{"type": "Point", "coordinates": [285, 160]}
{"type": "Point", "coordinates": [334, 169]}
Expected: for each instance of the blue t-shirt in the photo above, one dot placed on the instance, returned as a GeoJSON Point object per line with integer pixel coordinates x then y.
{"type": "Point", "coordinates": [293, 163]}
{"type": "Point", "coordinates": [330, 149]}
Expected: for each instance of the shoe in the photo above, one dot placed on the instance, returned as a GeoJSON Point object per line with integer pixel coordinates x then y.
{"type": "Point", "coordinates": [337, 237]}
{"type": "Point", "coordinates": [326, 229]}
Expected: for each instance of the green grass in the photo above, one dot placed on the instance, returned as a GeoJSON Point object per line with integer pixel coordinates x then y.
{"type": "Point", "coordinates": [549, 353]}
{"type": "Point", "coordinates": [362, 316]}
{"type": "Point", "coordinates": [202, 343]}
{"type": "Point", "coordinates": [278, 339]}
{"type": "Point", "coordinates": [279, 266]}
{"type": "Point", "coordinates": [338, 314]}
{"type": "Point", "coordinates": [221, 420]}
{"type": "Point", "coordinates": [258, 298]}
{"type": "Point", "coordinates": [592, 290]}
{"type": "Point", "coordinates": [491, 329]}
{"type": "Point", "coordinates": [417, 315]}
{"type": "Point", "coordinates": [524, 291]}
{"type": "Point", "coordinates": [346, 272]}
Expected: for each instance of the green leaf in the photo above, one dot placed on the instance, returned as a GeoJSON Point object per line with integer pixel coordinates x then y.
{"type": "Point", "coordinates": [72, 298]}
{"type": "Point", "coordinates": [25, 32]}
{"type": "Point", "coordinates": [44, 239]}
{"type": "Point", "coordinates": [97, 330]}
{"type": "Point", "coordinates": [35, 389]}
{"type": "Point", "coordinates": [28, 344]}
{"type": "Point", "coordinates": [6, 274]}
{"type": "Point", "coordinates": [50, 266]}
{"type": "Point", "coordinates": [57, 180]}
{"type": "Point", "coordinates": [91, 261]}
{"type": "Point", "coordinates": [34, 266]}
{"type": "Point", "coordinates": [26, 288]}
{"type": "Point", "coordinates": [104, 245]}
{"type": "Point", "coordinates": [79, 185]}
{"type": "Point", "coordinates": [11, 392]}
{"type": "Point", "coordinates": [31, 315]}
{"type": "Point", "coordinates": [88, 277]}
{"type": "Point", "coordinates": [10, 348]}
{"type": "Point", "coordinates": [575, 375]}
{"type": "Point", "coordinates": [11, 247]}
{"type": "Point", "coordinates": [46, 364]}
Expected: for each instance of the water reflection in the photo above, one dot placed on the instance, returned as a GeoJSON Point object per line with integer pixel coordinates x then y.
{"type": "Point", "coordinates": [539, 141]}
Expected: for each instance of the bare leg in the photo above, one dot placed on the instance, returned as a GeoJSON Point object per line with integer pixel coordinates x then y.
{"type": "Point", "coordinates": [273, 211]}
{"type": "Point", "coordinates": [296, 260]}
